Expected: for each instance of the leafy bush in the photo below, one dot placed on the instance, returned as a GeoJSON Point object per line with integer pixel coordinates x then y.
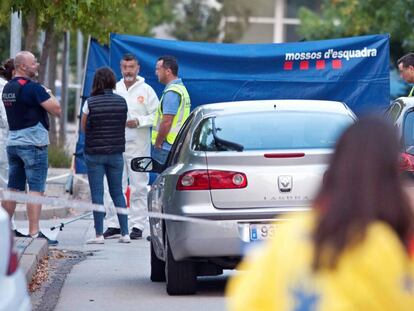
{"type": "Point", "coordinates": [58, 158]}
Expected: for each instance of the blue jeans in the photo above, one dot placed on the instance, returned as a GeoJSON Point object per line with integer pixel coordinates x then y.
{"type": "Point", "coordinates": [112, 166]}
{"type": "Point", "coordinates": [159, 155]}
{"type": "Point", "coordinates": [27, 163]}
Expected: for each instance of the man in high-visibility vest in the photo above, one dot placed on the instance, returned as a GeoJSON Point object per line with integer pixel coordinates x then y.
{"type": "Point", "coordinates": [406, 69]}
{"type": "Point", "coordinates": [173, 110]}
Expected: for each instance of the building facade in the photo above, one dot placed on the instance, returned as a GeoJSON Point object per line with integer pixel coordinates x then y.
{"type": "Point", "coordinates": [274, 20]}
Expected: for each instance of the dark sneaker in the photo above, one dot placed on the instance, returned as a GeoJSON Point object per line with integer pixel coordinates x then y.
{"type": "Point", "coordinates": [111, 233]}
{"type": "Point", "coordinates": [18, 234]}
{"type": "Point", "coordinates": [40, 235]}
{"type": "Point", "coordinates": [135, 234]}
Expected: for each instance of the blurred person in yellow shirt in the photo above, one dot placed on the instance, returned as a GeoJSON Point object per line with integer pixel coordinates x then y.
{"type": "Point", "coordinates": [351, 252]}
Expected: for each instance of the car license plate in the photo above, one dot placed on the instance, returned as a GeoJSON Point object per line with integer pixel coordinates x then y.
{"type": "Point", "coordinates": [262, 231]}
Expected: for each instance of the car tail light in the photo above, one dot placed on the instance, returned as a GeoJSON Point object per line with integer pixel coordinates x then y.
{"type": "Point", "coordinates": [13, 259]}
{"type": "Point", "coordinates": [406, 162]}
{"type": "Point", "coordinates": [211, 179]}
{"type": "Point", "coordinates": [194, 180]}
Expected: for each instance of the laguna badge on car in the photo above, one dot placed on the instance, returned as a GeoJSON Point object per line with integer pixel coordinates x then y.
{"type": "Point", "coordinates": [285, 183]}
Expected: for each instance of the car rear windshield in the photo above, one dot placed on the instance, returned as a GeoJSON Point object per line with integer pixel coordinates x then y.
{"type": "Point", "coordinates": [270, 130]}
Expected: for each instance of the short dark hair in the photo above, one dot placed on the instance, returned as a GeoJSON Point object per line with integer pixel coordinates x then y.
{"type": "Point", "coordinates": [129, 57]}
{"type": "Point", "coordinates": [6, 70]}
{"type": "Point", "coordinates": [170, 62]}
{"type": "Point", "coordinates": [407, 60]}
{"type": "Point", "coordinates": [104, 79]}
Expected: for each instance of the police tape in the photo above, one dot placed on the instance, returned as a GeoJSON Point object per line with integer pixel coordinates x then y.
{"type": "Point", "coordinates": [20, 197]}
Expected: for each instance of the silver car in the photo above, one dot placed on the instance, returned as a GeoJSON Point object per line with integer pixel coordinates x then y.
{"type": "Point", "coordinates": [13, 287]}
{"type": "Point", "coordinates": [239, 164]}
{"type": "Point", "coordinates": [401, 113]}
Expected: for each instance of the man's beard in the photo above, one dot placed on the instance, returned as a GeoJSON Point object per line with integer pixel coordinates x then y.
{"type": "Point", "coordinates": [31, 74]}
{"type": "Point", "coordinates": [129, 78]}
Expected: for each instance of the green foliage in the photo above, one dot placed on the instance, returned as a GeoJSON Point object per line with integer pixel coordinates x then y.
{"type": "Point", "coordinates": [4, 42]}
{"type": "Point", "coordinates": [121, 16]}
{"type": "Point", "coordinates": [196, 21]}
{"type": "Point", "coordinates": [242, 10]}
{"type": "Point", "coordinates": [344, 18]}
{"type": "Point", "coordinates": [200, 20]}
{"type": "Point", "coordinates": [58, 157]}
{"type": "Point", "coordinates": [97, 18]}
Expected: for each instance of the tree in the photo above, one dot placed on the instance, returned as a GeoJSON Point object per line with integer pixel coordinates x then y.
{"type": "Point", "coordinates": [97, 18]}
{"type": "Point", "coordinates": [4, 42]}
{"type": "Point", "coordinates": [93, 17]}
{"type": "Point", "coordinates": [196, 21]}
{"type": "Point", "coordinates": [242, 10]}
{"type": "Point", "coordinates": [344, 18]}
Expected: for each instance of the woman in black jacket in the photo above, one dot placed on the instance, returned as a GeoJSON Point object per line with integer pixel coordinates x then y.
{"type": "Point", "coordinates": [103, 121]}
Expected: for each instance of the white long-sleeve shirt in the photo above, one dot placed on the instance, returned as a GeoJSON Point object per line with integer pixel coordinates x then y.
{"type": "Point", "coordinates": [142, 105]}
{"type": "Point", "coordinates": [3, 117]}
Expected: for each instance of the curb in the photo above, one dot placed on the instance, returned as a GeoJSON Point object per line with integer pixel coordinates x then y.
{"type": "Point", "coordinates": [31, 256]}
{"type": "Point", "coordinates": [47, 213]}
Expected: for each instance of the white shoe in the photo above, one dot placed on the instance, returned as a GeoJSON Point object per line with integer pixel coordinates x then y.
{"type": "Point", "coordinates": [124, 239]}
{"type": "Point", "coordinates": [97, 240]}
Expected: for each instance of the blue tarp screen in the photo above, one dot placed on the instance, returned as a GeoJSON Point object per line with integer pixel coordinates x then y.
{"type": "Point", "coordinates": [352, 70]}
{"type": "Point", "coordinates": [97, 56]}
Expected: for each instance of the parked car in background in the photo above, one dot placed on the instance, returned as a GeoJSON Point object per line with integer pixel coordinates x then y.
{"type": "Point", "coordinates": [243, 163]}
{"type": "Point", "coordinates": [401, 113]}
{"type": "Point", "coordinates": [13, 287]}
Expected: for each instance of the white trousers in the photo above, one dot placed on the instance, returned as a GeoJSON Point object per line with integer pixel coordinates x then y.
{"type": "Point", "coordinates": [138, 192]}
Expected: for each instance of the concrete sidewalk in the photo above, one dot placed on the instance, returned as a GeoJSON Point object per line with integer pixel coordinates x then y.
{"type": "Point", "coordinates": [31, 251]}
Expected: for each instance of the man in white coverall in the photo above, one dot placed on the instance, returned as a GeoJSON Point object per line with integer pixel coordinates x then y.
{"type": "Point", "coordinates": [142, 104]}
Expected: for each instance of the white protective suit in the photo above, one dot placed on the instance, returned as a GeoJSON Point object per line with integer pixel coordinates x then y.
{"type": "Point", "coordinates": [142, 104]}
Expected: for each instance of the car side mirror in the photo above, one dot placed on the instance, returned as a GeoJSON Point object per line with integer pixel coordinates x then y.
{"type": "Point", "coordinates": [146, 165]}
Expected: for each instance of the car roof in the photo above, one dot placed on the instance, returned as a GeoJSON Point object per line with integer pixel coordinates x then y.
{"type": "Point", "coordinates": [408, 101]}
{"type": "Point", "coordinates": [278, 104]}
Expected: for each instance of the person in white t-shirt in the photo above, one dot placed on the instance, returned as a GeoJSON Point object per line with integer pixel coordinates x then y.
{"type": "Point", "coordinates": [6, 74]}
{"type": "Point", "coordinates": [142, 104]}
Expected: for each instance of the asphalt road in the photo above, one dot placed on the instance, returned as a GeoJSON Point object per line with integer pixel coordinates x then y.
{"type": "Point", "coordinates": [115, 276]}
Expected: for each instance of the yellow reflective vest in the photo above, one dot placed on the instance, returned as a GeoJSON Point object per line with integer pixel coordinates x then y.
{"type": "Point", "coordinates": [182, 113]}
{"type": "Point", "coordinates": [411, 92]}
{"type": "Point", "coordinates": [376, 274]}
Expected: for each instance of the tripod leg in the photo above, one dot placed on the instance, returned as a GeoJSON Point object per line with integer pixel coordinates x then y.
{"type": "Point", "coordinates": [70, 221]}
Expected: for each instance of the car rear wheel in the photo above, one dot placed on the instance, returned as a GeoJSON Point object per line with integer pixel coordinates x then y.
{"type": "Point", "coordinates": [157, 267]}
{"type": "Point", "coordinates": [181, 276]}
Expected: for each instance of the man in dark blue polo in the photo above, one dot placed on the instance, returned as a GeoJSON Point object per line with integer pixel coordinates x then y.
{"type": "Point", "coordinates": [27, 105]}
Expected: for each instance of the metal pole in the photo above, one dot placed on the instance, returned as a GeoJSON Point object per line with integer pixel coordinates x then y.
{"type": "Point", "coordinates": [278, 26]}
{"type": "Point", "coordinates": [65, 94]}
{"type": "Point", "coordinates": [79, 70]}
{"type": "Point", "coordinates": [15, 33]}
